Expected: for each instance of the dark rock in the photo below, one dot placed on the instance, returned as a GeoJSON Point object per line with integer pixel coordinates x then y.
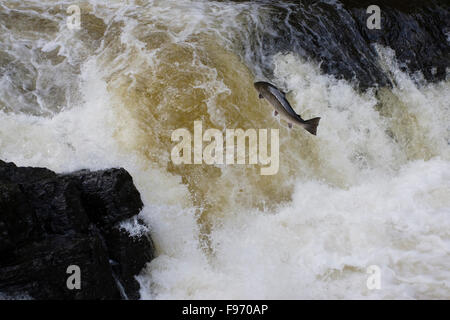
{"type": "Point", "coordinates": [109, 196]}
{"type": "Point", "coordinates": [128, 256]}
{"type": "Point", "coordinates": [415, 30]}
{"type": "Point", "coordinates": [10, 173]}
{"type": "Point", "coordinates": [49, 222]}
{"type": "Point", "coordinates": [334, 34]}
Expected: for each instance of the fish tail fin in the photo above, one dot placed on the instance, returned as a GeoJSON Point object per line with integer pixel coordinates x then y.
{"type": "Point", "coordinates": [311, 125]}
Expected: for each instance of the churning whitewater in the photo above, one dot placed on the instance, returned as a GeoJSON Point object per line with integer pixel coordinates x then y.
{"type": "Point", "coordinates": [371, 189]}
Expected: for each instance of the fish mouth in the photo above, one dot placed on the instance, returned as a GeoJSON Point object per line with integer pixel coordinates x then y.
{"type": "Point", "coordinates": [257, 84]}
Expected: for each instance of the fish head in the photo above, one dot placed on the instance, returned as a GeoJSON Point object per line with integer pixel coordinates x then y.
{"type": "Point", "coordinates": [261, 87]}
{"type": "Point", "coordinates": [258, 85]}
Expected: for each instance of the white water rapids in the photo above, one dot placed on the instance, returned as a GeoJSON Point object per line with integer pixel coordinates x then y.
{"type": "Point", "coordinates": [372, 188]}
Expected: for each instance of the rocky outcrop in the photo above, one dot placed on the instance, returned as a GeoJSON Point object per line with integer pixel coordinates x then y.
{"type": "Point", "coordinates": [335, 34]}
{"type": "Point", "coordinates": [51, 221]}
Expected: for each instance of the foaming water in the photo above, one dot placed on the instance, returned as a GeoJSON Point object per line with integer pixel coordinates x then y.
{"type": "Point", "coordinates": [373, 188]}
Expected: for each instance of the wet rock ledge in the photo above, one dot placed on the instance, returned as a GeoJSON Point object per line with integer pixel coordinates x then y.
{"type": "Point", "coordinates": [51, 221]}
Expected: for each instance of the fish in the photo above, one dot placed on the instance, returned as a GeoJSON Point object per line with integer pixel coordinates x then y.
{"type": "Point", "coordinates": [277, 99]}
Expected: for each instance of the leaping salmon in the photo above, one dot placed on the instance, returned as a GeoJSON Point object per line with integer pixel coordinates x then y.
{"type": "Point", "coordinates": [278, 100]}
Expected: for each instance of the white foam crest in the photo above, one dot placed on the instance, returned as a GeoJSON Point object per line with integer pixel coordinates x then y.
{"type": "Point", "coordinates": [350, 130]}
{"type": "Point", "coordinates": [321, 244]}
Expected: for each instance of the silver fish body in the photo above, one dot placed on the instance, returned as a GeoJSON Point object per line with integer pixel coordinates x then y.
{"type": "Point", "coordinates": [282, 107]}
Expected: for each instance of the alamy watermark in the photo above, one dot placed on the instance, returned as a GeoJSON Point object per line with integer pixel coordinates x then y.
{"type": "Point", "coordinates": [235, 153]}
{"type": "Point", "coordinates": [374, 280]}
{"type": "Point", "coordinates": [74, 18]}
{"type": "Point", "coordinates": [74, 280]}
{"type": "Point", "coordinates": [374, 20]}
